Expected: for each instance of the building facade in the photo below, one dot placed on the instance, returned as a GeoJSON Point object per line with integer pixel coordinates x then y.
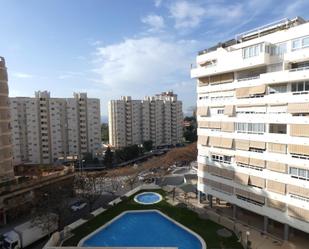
{"type": "Point", "coordinates": [253, 123]}
{"type": "Point", "coordinates": [157, 118]}
{"type": "Point", "coordinates": [6, 167]}
{"type": "Point", "coordinates": [45, 129]}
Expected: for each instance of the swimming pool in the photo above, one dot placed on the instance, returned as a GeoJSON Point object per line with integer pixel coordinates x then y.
{"type": "Point", "coordinates": [148, 198]}
{"type": "Point", "coordinates": [149, 228]}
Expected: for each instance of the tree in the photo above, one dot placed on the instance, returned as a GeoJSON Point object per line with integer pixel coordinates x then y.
{"type": "Point", "coordinates": [52, 199]}
{"type": "Point", "coordinates": [104, 132]}
{"type": "Point", "coordinates": [127, 153]}
{"type": "Point", "coordinates": [132, 180]}
{"type": "Point", "coordinates": [89, 186]}
{"type": "Point", "coordinates": [108, 158]}
{"type": "Point", "coordinates": [147, 145]}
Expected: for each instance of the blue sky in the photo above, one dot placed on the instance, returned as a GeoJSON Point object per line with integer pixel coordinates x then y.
{"type": "Point", "coordinates": [110, 48]}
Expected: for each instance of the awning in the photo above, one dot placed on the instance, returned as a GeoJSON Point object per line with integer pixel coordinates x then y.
{"type": "Point", "coordinates": [299, 149]}
{"type": "Point", "coordinates": [203, 110]}
{"type": "Point", "coordinates": [241, 178]}
{"type": "Point", "coordinates": [277, 187]}
{"type": "Point", "coordinates": [241, 144]}
{"type": "Point", "coordinates": [226, 143]}
{"type": "Point", "coordinates": [227, 126]}
{"type": "Point", "coordinates": [229, 110]}
{"type": "Point", "coordinates": [296, 190]}
{"type": "Point", "coordinates": [300, 130]}
{"type": "Point", "coordinates": [242, 159]}
{"type": "Point", "coordinates": [278, 167]}
{"type": "Point", "coordinates": [257, 181]}
{"type": "Point", "coordinates": [277, 148]}
{"type": "Point", "coordinates": [298, 108]}
{"type": "Point", "coordinates": [257, 90]}
{"type": "Point", "coordinates": [202, 140]}
{"type": "Point", "coordinates": [258, 144]}
{"type": "Point", "coordinates": [257, 162]}
{"type": "Point", "coordinates": [242, 92]}
{"type": "Point", "coordinates": [276, 204]}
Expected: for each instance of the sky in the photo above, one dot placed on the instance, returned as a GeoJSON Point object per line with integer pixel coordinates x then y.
{"type": "Point", "coordinates": [114, 48]}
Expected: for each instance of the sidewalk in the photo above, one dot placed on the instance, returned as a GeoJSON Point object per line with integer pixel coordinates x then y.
{"type": "Point", "coordinates": [258, 240]}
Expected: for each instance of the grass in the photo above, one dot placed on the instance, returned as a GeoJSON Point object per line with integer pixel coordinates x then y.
{"type": "Point", "coordinates": [205, 228]}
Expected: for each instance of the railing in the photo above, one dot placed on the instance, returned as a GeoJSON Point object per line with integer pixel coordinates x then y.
{"type": "Point", "coordinates": [299, 69]}
{"type": "Point", "coordinates": [249, 78]}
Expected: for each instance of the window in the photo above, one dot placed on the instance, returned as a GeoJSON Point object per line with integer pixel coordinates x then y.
{"type": "Point", "coordinates": [299, 173]}
{"type": "Point", "coordinates": [300, 43]}
{"type": "Point", "coordinates": [252, 51]}
{"type": "Point", "coordinates": [277, 89]}
{"type": "Point", "coordinates": [221, 159]}
{"type": "Point", "coordinates": [300, 86]}
{"type": "Point", "coordinates": [220, 111]}
{"type": "Point", "coordinates": [278, 49]}
{"type": "Point", "coordinates": [277, 128]}
{"type": "Point", "coordinates": [254, 128]}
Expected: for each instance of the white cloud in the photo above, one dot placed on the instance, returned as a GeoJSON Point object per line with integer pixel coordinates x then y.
{"type": "Point", "coordinates": [158, 3]}
{"type": "Point", "coordinates": [141, 66]}
{"type": "Point", "coordinates": [186, 14]}
{"type": "Point", "coordinates": [155, 22]}
{"type": "Point", "coordinates": [22, 75]}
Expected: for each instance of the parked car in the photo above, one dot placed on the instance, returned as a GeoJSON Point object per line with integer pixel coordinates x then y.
{"type": "Point", "coordinates": [78, 206]}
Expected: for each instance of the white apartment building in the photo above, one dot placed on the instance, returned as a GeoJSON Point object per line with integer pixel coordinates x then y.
{"type": "Point", "coordinates": [6, 167]}
{"type": "Point", "coordinates": [45, 129]}
{"type": "Point", "coordinates": [253, 123]}
{"type": "Point", "coordinates": [158, 118]}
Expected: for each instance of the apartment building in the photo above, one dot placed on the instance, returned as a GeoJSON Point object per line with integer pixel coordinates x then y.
{"type": "Point", "coordinates": [45, 129]}
{"type": "Point", "coordinates": [6, 168]}
{"type": "Point", "coordinates": [253, 123]}
{"type": "Point", "coordinates": [157, 118]}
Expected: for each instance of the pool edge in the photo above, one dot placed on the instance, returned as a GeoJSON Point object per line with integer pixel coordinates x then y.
{"type": "Point", "coordinates": [204, 245]}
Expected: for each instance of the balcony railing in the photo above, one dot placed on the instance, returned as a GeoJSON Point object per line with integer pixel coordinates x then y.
{"type": "Point", "coordinates": [249, 78]}
{"type": "Point", "coordinates": [299, 69]}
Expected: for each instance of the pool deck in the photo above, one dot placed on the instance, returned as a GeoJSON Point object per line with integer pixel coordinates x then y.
{"type": "Point", "coordinates": [258, 241]}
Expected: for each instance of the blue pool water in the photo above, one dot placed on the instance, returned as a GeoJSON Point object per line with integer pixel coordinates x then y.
{"type": "Point", "coordinates": [148, 198]}
{"type": "Point", "coordinates": [143, 229]}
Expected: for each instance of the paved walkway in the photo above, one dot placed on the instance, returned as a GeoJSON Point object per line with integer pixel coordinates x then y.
{"type": "Point", "coordinates": [258, 239]}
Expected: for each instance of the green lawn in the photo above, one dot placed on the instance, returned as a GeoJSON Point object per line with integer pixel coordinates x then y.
{"type": "Point", "coordinates": [205, 228]}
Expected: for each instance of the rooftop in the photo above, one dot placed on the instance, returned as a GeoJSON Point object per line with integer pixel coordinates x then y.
{"type": "Point", "coordinates": [257, 32]}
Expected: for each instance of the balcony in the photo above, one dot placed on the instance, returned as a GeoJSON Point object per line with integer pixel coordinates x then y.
{"type": "Point", "coordinates": [297, 56]}
{"type": "Point", "coordinates": [228, 61]}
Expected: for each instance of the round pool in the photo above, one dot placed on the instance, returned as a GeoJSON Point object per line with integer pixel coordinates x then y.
{"type": "Point", "coordinates": [148, 198]}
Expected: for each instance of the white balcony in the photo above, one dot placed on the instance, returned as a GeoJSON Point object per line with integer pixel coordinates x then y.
{"type": "Point", "coordinates": [228, 61]}
{"type": "Point", "coordinates": [297, 55]}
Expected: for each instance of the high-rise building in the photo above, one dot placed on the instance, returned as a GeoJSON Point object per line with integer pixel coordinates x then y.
{"type": "Point", "coordinates": [253, 123]}
{"type": "Point", "coordinates": [45, 129]}
{"type": "Point", "coordinates": [158, 118]}
{"type": "Point", "coordinates": [6, 167]}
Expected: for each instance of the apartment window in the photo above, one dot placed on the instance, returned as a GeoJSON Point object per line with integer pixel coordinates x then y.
{"type": "Point", "coordinates": [302, 174]}
{"type": "Point", "coordinates": [277, 89]}
{"type": "Point", "coordinates": [221, 159]}
{"type": "Point", "coordinates": [300, 86]}
{"type": "Point", "coordinates": [278, 49]}
{"type": "Point", "coordinates": [277, 128]}
{"type": "Point", "coordinates": [220, 111]}
{"type": "Point", "coordinates": [252, 51]}
{"type": "Point", "coordinates": [300, 43]}
{"type": "Point", "coordinates": [254, 128]}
